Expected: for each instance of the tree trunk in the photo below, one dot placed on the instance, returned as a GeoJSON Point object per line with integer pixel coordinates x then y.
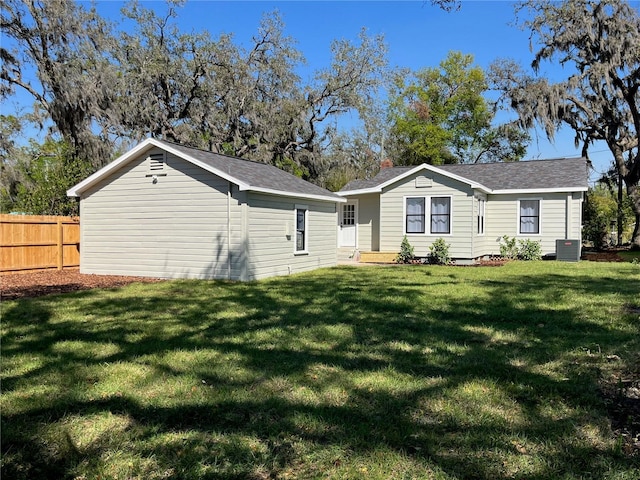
{"type": "Point", "coordinates": [634, 193]}
{"type": "Point", "coordinates": [620, 210]}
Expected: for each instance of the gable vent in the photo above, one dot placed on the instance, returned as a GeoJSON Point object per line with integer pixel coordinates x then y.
{"type": "Point", "coordinates": [156, 162]}
{"type": "Point", "coordinates": [422, 182]}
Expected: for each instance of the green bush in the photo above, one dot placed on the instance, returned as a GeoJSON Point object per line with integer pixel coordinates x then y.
{"type": "Point", "coordinates": [508, 249]}
{"type": "Point", "coordinates": [439, 252]}
{"type": "Point", "coordinates": [530, 250]}
{"type": "Point", "coordinates": [406, 252]}
{"type": "Point", "coordinates": [511, 248]}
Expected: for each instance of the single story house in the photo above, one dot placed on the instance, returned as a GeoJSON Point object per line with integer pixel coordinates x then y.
{"type": "Point", "coordinates": [470, 206]}
{"type": "Point", "coordinates": [166, 210]}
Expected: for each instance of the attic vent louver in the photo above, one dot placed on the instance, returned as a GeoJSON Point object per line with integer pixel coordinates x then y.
{"type": "Point", "coordinates": [422, 181]}
{"type": "Point", "coordinates": [155, 165]}
{"type": "Point", "coordinates": [156, 162]}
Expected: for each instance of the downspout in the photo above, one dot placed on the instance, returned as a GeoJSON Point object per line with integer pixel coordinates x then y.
{"type": "Point", "coordinates": [229, 231]}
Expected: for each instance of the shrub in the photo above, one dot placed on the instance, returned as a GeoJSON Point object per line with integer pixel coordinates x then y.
{"type": "Point", "coordinates": [440, 252]}
{"type": "Point", "coordinates": [509, 248]}
{"type": "Point", "coordinates": [530, 250]}
{"type": "Point", "coordinates": [406, 252]}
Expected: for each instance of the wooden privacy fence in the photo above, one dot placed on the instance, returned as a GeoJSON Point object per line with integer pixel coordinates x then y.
{"type": "Point", "coordinates": [31, 243]}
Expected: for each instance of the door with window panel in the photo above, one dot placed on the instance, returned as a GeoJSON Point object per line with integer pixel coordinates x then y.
{"type": "Point", "coordinates": [348, 215]}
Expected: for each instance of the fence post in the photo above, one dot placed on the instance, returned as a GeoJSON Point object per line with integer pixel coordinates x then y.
{"type": "Point", "coordinates": [60, 244]}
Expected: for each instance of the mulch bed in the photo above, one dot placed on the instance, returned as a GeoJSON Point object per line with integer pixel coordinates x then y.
{"type": "Point", "coordinates": [29, 285]}
{"type": "Point", "coordinates": [602, 257]}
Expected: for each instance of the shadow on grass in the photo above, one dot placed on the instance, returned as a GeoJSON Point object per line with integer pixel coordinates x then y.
{"type": "Point", "coordinates": [427, 363]}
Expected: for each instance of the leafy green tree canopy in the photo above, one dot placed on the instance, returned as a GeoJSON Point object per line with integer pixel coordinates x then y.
{"type": "Point", "coordinates": [440, 115]}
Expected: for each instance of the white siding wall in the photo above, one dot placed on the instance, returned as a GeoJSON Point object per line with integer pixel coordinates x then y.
{"type": "Point", "coordinates": [174, 228]}
{"type": "Point", "coordinates": [271, 227]}
{"type": "Point", "coordinates": [502, 219]}
{"type": "Point", "coordinates": [392, 215]}
{"type": "Point", "coordinates": [368, 222]}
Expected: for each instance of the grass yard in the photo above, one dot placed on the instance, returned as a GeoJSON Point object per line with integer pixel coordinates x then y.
{"type": "Point", "coordinates": [630, 256]}
{"type": "Point", "coordinates": [403, 372]}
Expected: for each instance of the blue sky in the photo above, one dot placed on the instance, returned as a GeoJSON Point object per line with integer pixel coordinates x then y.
{"type": "Point", "coordinates": [418, 35]}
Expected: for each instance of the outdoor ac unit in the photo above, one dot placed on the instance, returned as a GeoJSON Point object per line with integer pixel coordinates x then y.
{"type": "Point", "coordinates": [568, 250]}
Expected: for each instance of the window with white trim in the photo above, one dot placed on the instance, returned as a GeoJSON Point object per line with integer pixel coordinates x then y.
{"type": "Point", "coordinates": [440, 214]}
{"type": "Point", "coordinates": [416, 215]}
{"type": "Point", "coordinates": [529, 217]}
{"type": "Point", "coordinates": [481, 210]}
{"type": "Point", "coordinates": [301, 220]}
{"type": "Point", "coordinates": [435, 210]}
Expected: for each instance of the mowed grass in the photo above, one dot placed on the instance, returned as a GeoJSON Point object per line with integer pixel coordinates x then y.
{"type": "Point", "coordinates": [403, 372]}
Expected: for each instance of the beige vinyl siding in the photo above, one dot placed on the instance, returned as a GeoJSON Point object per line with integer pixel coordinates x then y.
{"type": "Point", "coordinates": [368, 222]}
{"type": "Point", "coordinates": [502, 219]}
{"type": "Point", "coordinates": [392, 217]}
{"type": "Point", "coordinates": [480, 241]}
{"type": "Point", "coordinates": [271, 233]}
{"type": "Point", "coordinates": [575, 227]}
{"type": "Point", "coordinates": [174, 228]}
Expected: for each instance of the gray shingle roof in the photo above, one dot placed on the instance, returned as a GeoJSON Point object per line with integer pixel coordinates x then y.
{"type": "Point", "coordinates": [255, 175]}
{"type": "Point", "coordinates": [561, 173]}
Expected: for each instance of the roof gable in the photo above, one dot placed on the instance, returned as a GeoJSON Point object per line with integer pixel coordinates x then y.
{"type": "Point", "coordinates": [247, 175]}
{"type": "Point", "coordinates": [557, 175]}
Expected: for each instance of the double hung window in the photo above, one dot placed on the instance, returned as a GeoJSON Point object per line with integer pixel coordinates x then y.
{"type": "Point", "coordinates": [436, 209]}
{"type": "Point", "coordinates": [480, 220]}
{"type": "Point", "coordinates": [301, 229]}
{"type": "Point", "coordinates": [529, 214]}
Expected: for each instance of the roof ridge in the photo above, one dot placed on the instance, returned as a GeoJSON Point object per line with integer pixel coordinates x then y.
{"type": "Point", "coordinates": [226, 155]}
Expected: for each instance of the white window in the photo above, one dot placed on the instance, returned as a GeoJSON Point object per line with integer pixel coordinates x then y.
{"type": "Point", "coordinates": [301, 220]}
{"type": "Point", "coordinates": [416, 214]}
{"type": "Point", "coordinates": [529, 217]}
{"type": "Point", "coordinates": [481, 209]}
{"type": "Point", "coordinates": [436, 209]}
{"type": "Point", "coordinates": [349, 214]}
{"type": "Point", "coordinates": [441, 215]}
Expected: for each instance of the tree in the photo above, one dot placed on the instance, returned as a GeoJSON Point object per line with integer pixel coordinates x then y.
{"type": "Point", "coordinates": [46, 174]}
{"type": "Point", "coordinates": [602, 212]}
{"type": "Point", "coordinates": [441, 116]}
{"type": "Point", "coordinates": [247, 102]}
{"type": "Point", "coordinates": [599, 100]}
{"type": "Point", "coordinates": [65, 44]}
{"type": "Point", "coordinates": [12, 157]}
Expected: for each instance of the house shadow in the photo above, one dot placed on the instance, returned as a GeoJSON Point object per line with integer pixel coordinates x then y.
{"type": "Point", "coordinates": [351, 357]}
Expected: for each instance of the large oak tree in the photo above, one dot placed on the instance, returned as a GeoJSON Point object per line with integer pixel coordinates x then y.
{"type": "Point", "coordinates": [57, 53]}
{"type": "Point", "coordinates": [599, 44]}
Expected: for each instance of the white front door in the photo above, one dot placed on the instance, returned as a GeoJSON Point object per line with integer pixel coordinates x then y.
{"type": "Point", "coordinates": [348, 215]}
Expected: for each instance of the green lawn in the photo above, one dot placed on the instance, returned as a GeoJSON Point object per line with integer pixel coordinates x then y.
{"type": "Point", "coordinates": [402, 372]}
{"type": "Point", "coordinates": [630, 256]}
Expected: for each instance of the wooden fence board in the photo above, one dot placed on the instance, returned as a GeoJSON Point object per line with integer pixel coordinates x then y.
{"type": "Point", "coordinates": [31, 243]}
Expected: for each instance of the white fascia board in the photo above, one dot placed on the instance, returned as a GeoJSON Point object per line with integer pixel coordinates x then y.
{"type": "Point", "coordinates": [107, 169]}
{"type": "Point", "coordinates": [76, 190]}
{"type": "Point", "coordinates": [539, 190]}
{"type": "Point", "coordinates": [281, 193]}
{"type": "Point", "coordinates": [347, 193]}
{"type": "Point", "coordinates": [419, 168]}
